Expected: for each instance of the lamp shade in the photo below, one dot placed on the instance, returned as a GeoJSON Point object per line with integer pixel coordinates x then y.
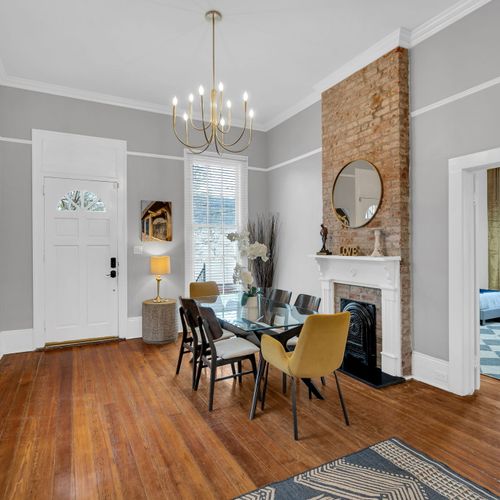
{"type": "Point", "coordinates": [159, 264]}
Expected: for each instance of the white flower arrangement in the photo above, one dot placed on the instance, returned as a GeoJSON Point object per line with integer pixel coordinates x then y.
{"type": "Point", "coordinates": [251, 251]}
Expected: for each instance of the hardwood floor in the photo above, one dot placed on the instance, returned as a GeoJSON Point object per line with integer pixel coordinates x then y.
{"type": "Point", "coordinates": [112, 421]}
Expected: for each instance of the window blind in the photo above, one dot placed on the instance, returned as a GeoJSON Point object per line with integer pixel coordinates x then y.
{"type": "Point", "coordinates": [216, 203]}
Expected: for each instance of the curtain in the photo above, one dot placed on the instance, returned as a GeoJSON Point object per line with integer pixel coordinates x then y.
{"type": "Point", "coordinates": [494, 228]}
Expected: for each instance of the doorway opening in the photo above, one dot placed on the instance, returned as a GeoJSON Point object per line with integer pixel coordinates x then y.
{"type": "Point", "coordinates": [467, 209]}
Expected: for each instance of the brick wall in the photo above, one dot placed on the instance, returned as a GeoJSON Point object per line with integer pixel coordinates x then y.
{"type": "Point", "coordinates": [362, 294]}
{"type": "Point", "coordinates": [366, 116]}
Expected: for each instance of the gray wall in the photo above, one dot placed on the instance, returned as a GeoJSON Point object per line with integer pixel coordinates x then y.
{"type": "Point", "coordinates": [295, 193]}
{"type": "Point", "coordinates": [148, 178]}
{"type": "Point", "coordinates": [459, 57]}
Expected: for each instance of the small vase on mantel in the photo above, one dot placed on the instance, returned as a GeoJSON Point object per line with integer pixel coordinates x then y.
{"type": "Point", "coordinates": [377, 248]}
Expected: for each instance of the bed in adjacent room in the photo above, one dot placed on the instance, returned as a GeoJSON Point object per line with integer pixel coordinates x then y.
{"type": "Point", "coordinates": [489, 305]}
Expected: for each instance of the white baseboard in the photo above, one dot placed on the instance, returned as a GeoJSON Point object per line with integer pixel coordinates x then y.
{"type": "Point", "coordinates": [134, 327]}
{"type": "Point", "coordinates": [432, 371]}
{"type": "Point", "coordinates": [12, 341]}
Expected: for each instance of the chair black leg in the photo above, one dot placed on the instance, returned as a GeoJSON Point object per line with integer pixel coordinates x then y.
{"type": "Point", "coordinates": [294, 409]}
{"type": "Point", "coordinates": [344, 409]}
{"type": "Point", "coordinates": [264, 390]}
{"type": "Point", "coordinates": [198, 374]}
{"type": "Point", "coordinates": [323, 380]}
{"type": "Point", "coordinates": [240, 377]}
{"type": "Point", "coordinates": [310, 392]}
{"type": "Point", "coordinates": [254, 367]}
{"type": "Point", "coordinates": [196, 360]}
{"type": "Point", "coordinates": [181, 355]}
{"type": "Point", "coordinates": [283, 383]}
{"type": "Point", "coordinates": [256, 390]}
{"type": "Point", "coordinates": [233, 369]}
{"type": "Point", "coordinates": [213, 372]}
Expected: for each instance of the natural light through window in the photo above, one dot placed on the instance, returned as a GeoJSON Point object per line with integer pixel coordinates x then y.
{"type": "Point", "coordinates": [216, 205]}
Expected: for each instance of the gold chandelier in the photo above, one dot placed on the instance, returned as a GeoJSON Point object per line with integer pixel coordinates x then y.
{"type": "Point", "coordinates": [215, 129]}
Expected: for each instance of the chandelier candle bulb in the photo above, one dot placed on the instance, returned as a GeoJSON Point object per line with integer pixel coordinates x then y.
{"type": "Point", "coordinates": [213, 126]}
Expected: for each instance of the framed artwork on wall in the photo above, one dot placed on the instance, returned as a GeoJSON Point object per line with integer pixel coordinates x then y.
{"type": "Point", "coordinates": [156, 220]}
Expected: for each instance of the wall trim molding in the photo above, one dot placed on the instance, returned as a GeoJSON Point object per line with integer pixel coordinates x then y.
{"type": "Point", "coordinates": [134, 327]}
{"type": "Point", "coordinates": [294, 159]}
{"type": "Point", "coordinates": [12, 341]}
{"type": "Point", "coordinates": [400, 37]}
{"type": "Point", "coordinates": [15, 341]}
{"type": "Point", "coordinates": [456, 97]}
{"type": "Point", "coordinates": [17, 141]}
{"type": "Point", "coordinates": [445, 19]}
{"type": "Point", "coordinates": [430, 370]}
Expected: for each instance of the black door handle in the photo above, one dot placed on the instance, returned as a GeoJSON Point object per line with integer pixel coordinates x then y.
{"type": "Point", "coordinates": [112, 274]}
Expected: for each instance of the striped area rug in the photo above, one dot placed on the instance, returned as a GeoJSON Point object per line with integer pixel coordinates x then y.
{"type": "Point", "coordinates": [387, 470]}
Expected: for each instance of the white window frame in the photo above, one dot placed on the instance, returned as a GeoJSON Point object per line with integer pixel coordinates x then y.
{"type": "Point", "coordinates": [240, 162]}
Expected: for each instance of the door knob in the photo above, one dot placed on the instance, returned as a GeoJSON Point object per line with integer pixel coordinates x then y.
{"type": "Point", "coordinates": [112, 274]}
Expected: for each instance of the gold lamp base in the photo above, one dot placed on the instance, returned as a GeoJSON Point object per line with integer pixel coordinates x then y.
{"type": "Point", "coordinates": [158, 299]}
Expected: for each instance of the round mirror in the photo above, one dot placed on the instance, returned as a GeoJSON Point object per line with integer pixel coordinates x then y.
{"type": "Point", "coordinates": [357, 193]}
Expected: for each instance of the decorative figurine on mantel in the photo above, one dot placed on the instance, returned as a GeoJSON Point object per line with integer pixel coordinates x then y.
{"type": "Point", "coordinates": [377, 249]}
{"type": "Point", "coordinates": [324, 236]}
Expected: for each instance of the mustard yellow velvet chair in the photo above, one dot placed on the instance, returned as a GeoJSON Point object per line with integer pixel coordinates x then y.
{"type": "Point", "coordinates": [319, 352]}
{"type": "Point", "coordinates": [203, 289]}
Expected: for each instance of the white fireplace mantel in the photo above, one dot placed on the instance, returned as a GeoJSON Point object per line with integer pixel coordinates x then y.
{"type": "Point", "coordinates": [371, 272]}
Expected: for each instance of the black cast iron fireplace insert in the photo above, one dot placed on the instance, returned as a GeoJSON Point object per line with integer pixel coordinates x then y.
{"type": "Point", "coordinates": [360, 359]}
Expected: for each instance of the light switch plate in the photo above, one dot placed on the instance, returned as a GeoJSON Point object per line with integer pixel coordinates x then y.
{"type": "Point", "coordinates": [138, 250]}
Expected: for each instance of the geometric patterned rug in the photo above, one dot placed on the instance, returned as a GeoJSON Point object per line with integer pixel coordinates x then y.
{"type": "Point", "coordinates": [490, 349]}
{"type": "Point", "coordinates": [387, 470]}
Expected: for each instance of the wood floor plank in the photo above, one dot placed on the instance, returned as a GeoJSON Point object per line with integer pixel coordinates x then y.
{"type": "Point", "coordinates": [113, 421]}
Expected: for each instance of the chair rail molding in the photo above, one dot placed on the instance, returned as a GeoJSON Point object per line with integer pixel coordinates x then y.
{"type": "Point", "coordinates": [372, 272]}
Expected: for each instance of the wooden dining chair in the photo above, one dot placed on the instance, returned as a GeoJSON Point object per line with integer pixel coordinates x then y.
{"type": "Point", "coordinates": [217, 352]}
{"type": "Point", "coordinates": [319, 352]}
{"type": "Point", "coordinates": [191, 341]}
{"type": "Point", "coordinates": [304, 303]}
{"type": "Point", "coordinates": [307, 302]}
{"type": "Point", "coordinates": [280, 296]}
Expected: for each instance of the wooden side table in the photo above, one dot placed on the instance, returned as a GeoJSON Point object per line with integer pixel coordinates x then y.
{"type": "Point", "coordinates": [159, 321]}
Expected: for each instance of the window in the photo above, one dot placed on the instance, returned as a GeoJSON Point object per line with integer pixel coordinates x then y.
{"type": "Point", "coordinates": [76, 200]}
{"type": "Point", "coordinates": [216, 204]}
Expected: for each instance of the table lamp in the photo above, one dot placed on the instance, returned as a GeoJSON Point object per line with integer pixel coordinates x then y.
{"type": "Point", "coordinates": [159, 265]}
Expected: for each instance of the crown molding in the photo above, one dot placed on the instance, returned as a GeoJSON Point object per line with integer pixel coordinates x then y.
{"type": "Point", "coordinates": [87, 95]}
{"type": "Point", "coordinates": [445, 19]}
{"type": "Point", "coordinates": [401, 37]}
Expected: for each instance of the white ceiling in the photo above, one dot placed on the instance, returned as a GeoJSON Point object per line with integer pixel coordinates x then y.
{"type": "Point", "coordinates": [147, 51]}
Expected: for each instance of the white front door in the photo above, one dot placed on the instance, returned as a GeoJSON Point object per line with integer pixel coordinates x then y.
{"type": "Point", "coordinates": [81, 241]}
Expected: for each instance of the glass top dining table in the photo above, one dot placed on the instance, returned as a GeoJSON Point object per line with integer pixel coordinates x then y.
{"type": "Point", "coordinates": [254, 314]}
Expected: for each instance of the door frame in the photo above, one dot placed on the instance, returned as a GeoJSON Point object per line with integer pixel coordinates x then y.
{"type": "Point", "coordinates": [463, 311]}
{"type": "Point", "coordinates": [64, 149]}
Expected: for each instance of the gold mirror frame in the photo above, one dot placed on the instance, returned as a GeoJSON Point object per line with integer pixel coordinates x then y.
{"type": "Point", "coordinates": [379, 203]}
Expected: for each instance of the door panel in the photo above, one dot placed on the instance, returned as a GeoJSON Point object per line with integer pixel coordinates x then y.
{"type": "Point", "coordinates": [80, 239]}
